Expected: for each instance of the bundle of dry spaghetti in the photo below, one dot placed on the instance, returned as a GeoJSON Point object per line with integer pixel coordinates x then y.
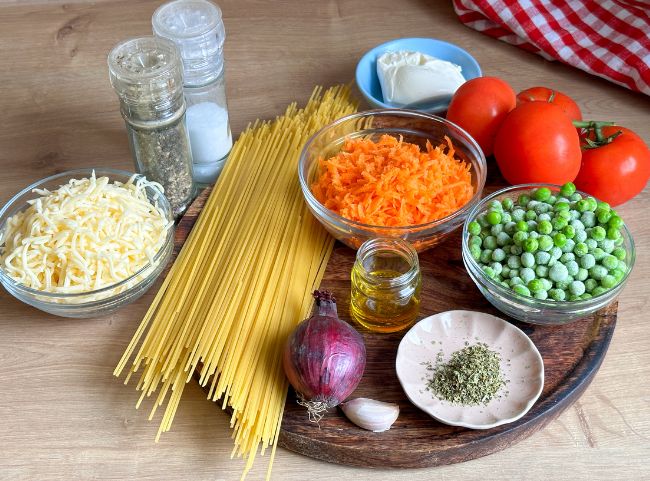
{"type": "Point", "coordinates": [241, 283]}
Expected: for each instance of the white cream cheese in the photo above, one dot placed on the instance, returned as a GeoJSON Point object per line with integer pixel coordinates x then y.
{"type": "Point", "coordinates": [409, 78]}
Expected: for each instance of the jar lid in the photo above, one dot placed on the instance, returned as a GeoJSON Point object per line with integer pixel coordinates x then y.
{"type": "Point", "coordinates": [196, 27]}
{"type": "Point", "coordinates": [147, 75]}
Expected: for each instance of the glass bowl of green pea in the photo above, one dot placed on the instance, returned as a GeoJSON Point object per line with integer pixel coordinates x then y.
{"type": "Point", "coordinates": [547, 254]}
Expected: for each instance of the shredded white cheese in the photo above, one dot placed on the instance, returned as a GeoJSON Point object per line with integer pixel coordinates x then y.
{"type": "Point", "coordinates": [86, 235]}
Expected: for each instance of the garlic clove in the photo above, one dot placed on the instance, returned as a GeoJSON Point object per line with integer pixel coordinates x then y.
{"type": "Point", "coordinates": [369, 414]}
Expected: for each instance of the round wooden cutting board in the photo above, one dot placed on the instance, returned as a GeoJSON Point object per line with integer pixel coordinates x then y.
{"type": "Point", "coordinates": [572, 355]}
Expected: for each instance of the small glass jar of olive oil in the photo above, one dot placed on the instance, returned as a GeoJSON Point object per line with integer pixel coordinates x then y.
{"type": "Point", "coordinates": [386, 285]}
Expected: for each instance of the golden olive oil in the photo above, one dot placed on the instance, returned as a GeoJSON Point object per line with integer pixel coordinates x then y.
{"type": "Point", "coordinates": [386, 284]}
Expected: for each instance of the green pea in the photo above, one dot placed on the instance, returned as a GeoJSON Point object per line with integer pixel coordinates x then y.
{"type": "Point", "coordinates": [582, 274]}
{"type": "Point", "coordinates": [572, 267]}
{"type": "Point", "coordinates": [503, 239]}
{"type": "Point", "coordinates": [507, 203]}
{"type": "Point", "coordinates": [530, 245]}
{"type": "Point", "coordinates": [581, 236]}
{"type": "Point", "coordinates": [559, 239]}
{"type": "Point", "coordinates": [519, 237]}
{"type": "Point", "coordinates": [558, 272]}
{"type": "Point", "coordinates": [535, 285]}
{"type": "Point", "coordinates": [493, 217]}
{"type": "Point", "coordinates": [613, 233]}
{"type": "Point", "coordinates": [474, 228]}
{"type": "Point", "coordinates": [582, 205]}
{"type": "Point", "coordinates": [608, 281]}
{"type": "Point", "coordinates": [598, 233]}
{"type": "Point", "coordinates": [486, 256]}
{"type": "Point", "coordinates": [577, 288]}
{"type": "Point", "coordinates": [495, 230]}
{"type": "Point", "coordinates": [591, 244]}
{"type": "Point", "coordinates": [575, 197]}
{"type": "Point", "coordinates": [607, 245]}
{"type": "Point", "coordinates": [603, 205]}
{"type": "Point", "coordinates": [561, 206]}
{"type": "Point", "coordinates": [497, 268]}
{"type": "Point", "coordinates": [585, 296]}
{"type": "Point", "coordinates": [588, 219]}
{"type": "Point", "coordinates": [569, 245]}
{"type": "Point", "coordinates": [618, 274]}
{"type": "Point", "coordinates": [523, 200]}
{"type": "Point", "coordinates": [506, 217]}
{"type": "Point", "coordinates": [516, 250]}
{"type": "Point", "coordinates": [598, 272]}
{"type": "Point", "coordinates": [490, 242]}
{"type": "Point", "coordinates": [602, 215]}
{"type": "Point", "coordinates": [496, 205]}
{"type": "Point", "coordinates": [532, 225]}
{"type": "Point", "coordinates": [541, 258]}
{"type": "Point", "coordinates": [544, 227]}
{"type": "Point", "coordinates": [568, 189]}
{"type": "Point", "coordinates": [569, 232]}
{"type": "Point", "coordinates": [587, 261]}
{"type": "Point", "coordinates": [598, 253]}
{"type": "Point", "coordinates": [531, 215]}
{"type": "Point", "coordinates": [541, 271]}
{"type": "Point", "coordinates": [619, 253]}
{"type": "Point", "coordinates": [545, 217]}
{"type": "Point", "coordinates": [615, 221]}
{"type": "Point", "coordinates": [527, 274]}
{"type": "Point", "coordinates": [518, 214]}
{"type": "Point", "coordinates": [556, 253]}
{"type": "Point", "coordinates": [609, 262]}
{"type": "Point", "coordinates": [513, 273]}
{"type": "Point", "coordinates": [598, 291]}
{"type": "Point", "coordinates": [542, 208]}
{"type": "Point", "coordinates": [515, 281]}
{"type": "Point", "coordinates": [509, 228]}
{"type": "Point", "coordinates": [590, 284]}
{"type": "Point", "coordinates": [559, 223]}
{"type": "Point", "coordinates": [580, 249]}
{"type": "Point", "coordinates": [514, 262]}
{"type": "Point", "coordinates": [498, 255]}
{"type": "Point", "coordinates": [475, 251]}
{"type": "Point", "coordinates": [593, 204]}
{"type": "Point", "coordinates": [527, 259]}
{"type": "Point", "coordinates": [522, 226]}
{"type": "Point", "coordinates": [556, 294]}
{"type": "Point", "coordinates": [542, 194]}
{"type": "Point", "coordinates": [541, 295]}
{"type": "Point", "coordinates": [489, 272]}
{"type": "Point", "coordinates": [565, 214]}
{"type": "Point", "coordinates": [521, 290]}
{"type": "Point", "coordinates": [545, 243]}
{"type": "Point", "coordinates": [619, 241]}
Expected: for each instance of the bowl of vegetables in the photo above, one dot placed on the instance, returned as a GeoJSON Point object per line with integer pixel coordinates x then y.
{"type": "Point", "coordinates": [391, 173]}
{"type": "Point", "coordinates": [85, 242]}
{"type": "Point", "coordinates": [547, 254]}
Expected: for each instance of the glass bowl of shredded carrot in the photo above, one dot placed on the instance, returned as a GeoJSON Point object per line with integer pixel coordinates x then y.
{"type": "Point", "coordinates": [391, 173]}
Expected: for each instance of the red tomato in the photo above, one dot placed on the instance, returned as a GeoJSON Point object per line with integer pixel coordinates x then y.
{"type": "Point", "coordinates": [537, 143]}
{"type": "Point", "coordinates": [543, 94]}
{"type": "Point", "coordinates": [479, 106]}
{"type": "Point", "coordinates": [617, 171]}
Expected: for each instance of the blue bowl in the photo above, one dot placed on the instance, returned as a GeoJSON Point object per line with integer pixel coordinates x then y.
{"type": "Point", "coordinates": [368, 82]}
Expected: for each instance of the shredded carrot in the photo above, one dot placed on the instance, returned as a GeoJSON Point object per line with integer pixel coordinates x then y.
{"type": "Point", "coordinates": [393, 183]}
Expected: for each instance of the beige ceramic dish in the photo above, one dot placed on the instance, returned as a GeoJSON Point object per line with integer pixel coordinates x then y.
{"type": "Point", "coordinates": [449, 331]}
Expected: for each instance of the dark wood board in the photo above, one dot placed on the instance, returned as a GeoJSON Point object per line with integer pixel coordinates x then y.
{"type": "Point", "coordinates": [572, 355]}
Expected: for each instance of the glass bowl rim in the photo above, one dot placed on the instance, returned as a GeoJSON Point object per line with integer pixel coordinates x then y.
{"type": "Point", "coordinates": [531, 301]}
{"type": "Point", "coordinates": [481, 179]}
{"type": "Point", "coordinates": [4, 278]}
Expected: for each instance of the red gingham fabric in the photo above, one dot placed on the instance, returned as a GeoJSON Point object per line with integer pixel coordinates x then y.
{"type": "Point", "coordinates": [608, 38]}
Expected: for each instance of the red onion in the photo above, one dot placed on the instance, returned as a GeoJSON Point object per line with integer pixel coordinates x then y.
{"type": "Point", "coordinates": [324, 358]}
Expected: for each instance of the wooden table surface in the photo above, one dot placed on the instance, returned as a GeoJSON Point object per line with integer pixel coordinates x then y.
{"type": "Point", "coordinates": [62, 413]}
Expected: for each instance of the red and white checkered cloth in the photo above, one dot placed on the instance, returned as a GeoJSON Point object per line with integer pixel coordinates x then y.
{"type": "Point", "coordinates": [608, 38]}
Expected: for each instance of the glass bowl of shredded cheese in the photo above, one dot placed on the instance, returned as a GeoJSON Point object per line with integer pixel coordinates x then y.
{"type": "Point", "coordinates": [85, 242]}
{"type": "Point", "coordinates": [392, 173]}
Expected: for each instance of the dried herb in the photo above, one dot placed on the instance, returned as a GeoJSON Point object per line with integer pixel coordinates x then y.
{"type": "Point", "coordinates": [163, 154]}
{"type": "Point", "coordinates": [471, 377]}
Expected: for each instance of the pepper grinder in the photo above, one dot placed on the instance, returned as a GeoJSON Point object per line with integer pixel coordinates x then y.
{"type": "Point", "coordinates": [146, 74]}
{"type": "Point", "coordinates": [196, 27]}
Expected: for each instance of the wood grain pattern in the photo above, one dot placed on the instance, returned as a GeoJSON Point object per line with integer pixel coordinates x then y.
{"type": "Point", "coordinates": [572, 355]}
{"type": "Point", "coordinates": [65, 417]}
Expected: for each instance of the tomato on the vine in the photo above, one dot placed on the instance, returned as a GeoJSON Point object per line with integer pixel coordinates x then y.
{"type": "Point", "coordinates": [616, 171]}
{"type": "Point", "coordinates": [537, 143]}
{"type": "Point", "coordinates": [544, 94]}
{"type": "Point", "coordinates": [479, 106]}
